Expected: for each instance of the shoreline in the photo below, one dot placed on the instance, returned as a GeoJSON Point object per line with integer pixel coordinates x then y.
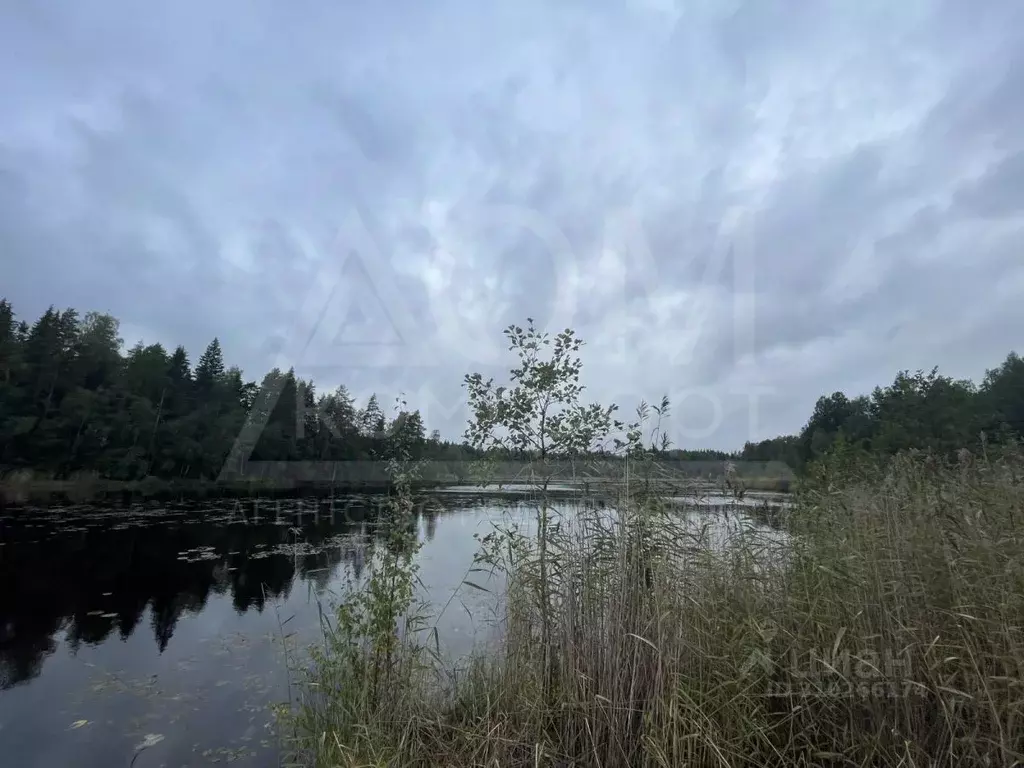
{"type": "Point", "coordinates": [17, 490]}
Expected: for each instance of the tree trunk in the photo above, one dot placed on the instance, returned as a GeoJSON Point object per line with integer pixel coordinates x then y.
{"type": "Point", "coordinates": [156, 424]}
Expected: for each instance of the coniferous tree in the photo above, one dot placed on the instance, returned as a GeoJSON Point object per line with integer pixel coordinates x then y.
{"type": "Point", "coordinates": [372, 420]}
{"type": "Point", "coordinates": [210, 368]}
{"type": "Point", "coordinates": [9, 346]}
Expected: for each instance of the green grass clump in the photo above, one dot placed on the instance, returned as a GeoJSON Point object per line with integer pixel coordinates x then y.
{"type": "Point", "coordinates": [884, 628]}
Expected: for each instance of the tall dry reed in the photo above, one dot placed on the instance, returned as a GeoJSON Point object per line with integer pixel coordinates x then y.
{"type": "Point", "coordinates": [884, 628]}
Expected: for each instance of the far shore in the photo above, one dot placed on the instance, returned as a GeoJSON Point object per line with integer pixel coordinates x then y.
{"type": "Point", "coordinates": [24, 486]}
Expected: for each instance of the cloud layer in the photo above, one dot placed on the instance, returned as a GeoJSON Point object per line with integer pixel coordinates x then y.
{"type": "Point", "coordinates": [742, 204]}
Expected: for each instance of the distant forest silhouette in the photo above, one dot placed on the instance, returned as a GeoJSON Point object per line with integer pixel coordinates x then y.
{"type": "Point", "coordinates": [72, 401]}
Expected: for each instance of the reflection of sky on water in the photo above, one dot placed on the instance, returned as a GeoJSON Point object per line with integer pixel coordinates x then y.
{"type": "Point", "coordinates": [170, 620]}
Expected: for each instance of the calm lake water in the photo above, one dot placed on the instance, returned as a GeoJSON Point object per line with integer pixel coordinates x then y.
{"type": "Point", "coordinates": [128, 622]}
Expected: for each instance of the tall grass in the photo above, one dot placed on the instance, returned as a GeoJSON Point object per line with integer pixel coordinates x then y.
{"type": "Point", "coordinates": [887, 630]}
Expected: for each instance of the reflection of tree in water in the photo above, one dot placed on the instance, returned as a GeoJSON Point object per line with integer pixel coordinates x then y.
{"type": "Point", "coordinates": [92, 575]}
{"type": "Point", "coordinates": [24, 646]}
{"type": "Point", "coordinates": [349, 554]}
{"type": "Point", "coordinates": [429, 514]}
{"type": "Point", "coordinates": [90, 572]}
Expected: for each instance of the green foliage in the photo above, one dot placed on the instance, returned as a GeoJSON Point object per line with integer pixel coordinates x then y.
{"type": "Point", "coordinates": [785, 448]}
{"type": "Point", "coordinates": [1002, 403]}
{"type": "Point", "coordinates": [540, 410]}
{"type": "Point", "coordinates": [372, 422]}
{"type": "Point", "coordinates": [72, 402]}
{"type": "Point", "coordinates": [371, 667]}
{"type": "Point", "coordinates": [374, 652]}
{"type": "Point", "coordinates": [882, 631]}
{"type": "Point", "coordinates": [923, 411]}
{"type": "Point", "coordinates": [881, 628]}
{"type": "Point", "coordinates": [210, 368]}
{"type": "Point", "coordinates": [540, 415]}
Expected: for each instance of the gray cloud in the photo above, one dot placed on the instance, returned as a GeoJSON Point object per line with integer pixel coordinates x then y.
{"type": "Point", "coordinates": [736, 203]}
{"type": "Point", "coordinates": [997, 194]}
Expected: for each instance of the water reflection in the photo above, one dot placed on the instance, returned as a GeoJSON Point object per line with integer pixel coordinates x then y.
{"type": "Point", "coordinates": [90, 574]}
{"type": "Point", "coordinates": [167, 619]}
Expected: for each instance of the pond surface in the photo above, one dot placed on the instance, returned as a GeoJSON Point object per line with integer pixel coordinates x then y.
{"type": "Point", "coordinates": [163, 623]}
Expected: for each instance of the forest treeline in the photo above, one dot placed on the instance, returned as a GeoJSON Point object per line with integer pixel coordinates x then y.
{"type": "Point", "coordinates": [73, 400]}
{"type": "Point", "coordinates": [925, 411]}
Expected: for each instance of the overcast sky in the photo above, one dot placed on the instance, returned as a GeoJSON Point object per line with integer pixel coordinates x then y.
{"type": "Point", "coordinates": [740, 204]}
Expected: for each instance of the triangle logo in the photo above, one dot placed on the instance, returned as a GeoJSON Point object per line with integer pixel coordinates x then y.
{"type": "Point", "coordinates": [344, 302]}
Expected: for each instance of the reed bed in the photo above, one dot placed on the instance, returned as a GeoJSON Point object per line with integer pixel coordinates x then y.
{"type": "Point", "coordinates": [883, 628]}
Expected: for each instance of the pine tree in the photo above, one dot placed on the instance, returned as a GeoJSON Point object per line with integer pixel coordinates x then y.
{"type": "Point", "coordinates": [210, 368]}
{"type": "Point", "coordinates": [371, 419]}
{"type": "Point", "coordinates": [179, 370]}
{"type": "Point", "coordinates": [8, 341]}
{"type": "Point", "coordinates": [338, 412]}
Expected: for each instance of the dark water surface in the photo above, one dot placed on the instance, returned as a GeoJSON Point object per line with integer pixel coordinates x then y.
{"type": "Point", "coordinates": [160, 622]}
{"type": "Point", "coordinates": [166, 620]}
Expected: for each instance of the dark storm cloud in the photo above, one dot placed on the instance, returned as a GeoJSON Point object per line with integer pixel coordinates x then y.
{"type": "Point", "coordinates": [743, 204]}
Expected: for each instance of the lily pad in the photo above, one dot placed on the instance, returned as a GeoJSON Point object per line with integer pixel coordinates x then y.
{"type": "Point", "coordinates": [150, 739]}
